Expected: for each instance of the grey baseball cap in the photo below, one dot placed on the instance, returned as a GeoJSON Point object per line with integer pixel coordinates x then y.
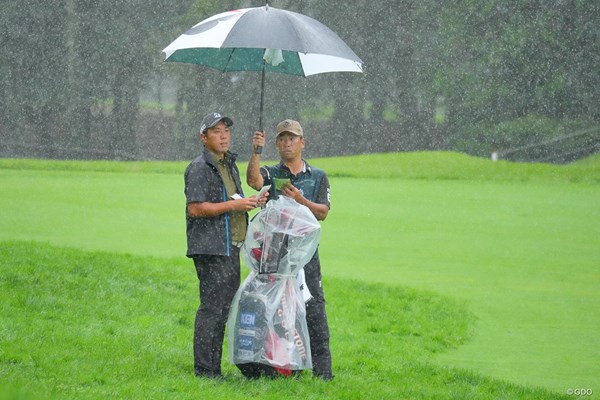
{"type": "Point", "coordinates": [214, 118]}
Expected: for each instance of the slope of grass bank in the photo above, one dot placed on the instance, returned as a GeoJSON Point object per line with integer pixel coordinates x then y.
{"type": "Point", "coordinates": [409, 165]}
{"type": "Point", "coordinates": [457, 166]}
{"type": "Point", "coordinates": [98, 325]}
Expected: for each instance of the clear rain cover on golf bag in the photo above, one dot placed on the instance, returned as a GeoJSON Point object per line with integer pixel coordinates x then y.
{"type": "Point", "coordinates": [268, 334]}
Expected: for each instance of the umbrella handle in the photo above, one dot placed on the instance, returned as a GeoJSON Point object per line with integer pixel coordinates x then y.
{"type": "Point", "coordinates": [258, 149]}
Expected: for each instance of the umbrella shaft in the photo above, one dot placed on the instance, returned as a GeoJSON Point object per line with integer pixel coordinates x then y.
{"type": "Point", "coordinates": [262, 97]}
{"type": "Point", "coordinates": [258, 149]}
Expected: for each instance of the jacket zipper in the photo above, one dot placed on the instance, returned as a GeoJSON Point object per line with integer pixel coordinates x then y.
{"type": "Point", "coordinates": [226, 223]}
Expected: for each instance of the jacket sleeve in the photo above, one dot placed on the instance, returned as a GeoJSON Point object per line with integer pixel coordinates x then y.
{"type": "Point", "coordinates": [323, 195]}
{"type": "Point", "coordinates": [196, 183]}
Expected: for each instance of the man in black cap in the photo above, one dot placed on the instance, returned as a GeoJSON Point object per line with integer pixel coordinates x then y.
{"type": "Point", "coordinates": [293, 177]}
{"type": "Point", "coordinates": [217, 218]}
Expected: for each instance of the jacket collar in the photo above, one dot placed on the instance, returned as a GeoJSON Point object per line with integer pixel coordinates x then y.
{"type": "Point", "coordinates": [209, 158]}
{"type": "Point", "coordinates": [306, 168]}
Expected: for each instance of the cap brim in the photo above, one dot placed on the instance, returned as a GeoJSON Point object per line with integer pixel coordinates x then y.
{"type": "Point", "coordinates": [293, 133]}
{"type": "Point", "coordinates": [228, 121]}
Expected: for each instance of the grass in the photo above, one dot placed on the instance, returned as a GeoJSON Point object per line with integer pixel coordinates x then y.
{"type": "Point", "coordinates": [91, 325]}
{"type": "Point", "coordinates": [412, 165]}
{"type": "Point", "coordinates": [516, 244]}
{"type": "Point", "coordinates": [453, 166]}
{"type": "Point", "coordinates": [525, 257]}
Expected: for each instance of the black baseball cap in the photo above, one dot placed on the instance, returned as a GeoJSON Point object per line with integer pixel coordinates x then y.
{"type": "Point", "coordinates": [212, 119]}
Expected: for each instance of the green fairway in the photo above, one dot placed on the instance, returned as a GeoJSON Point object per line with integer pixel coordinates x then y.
{"type": "Point", "coordinates": [139, 213]}
{"type": "Point", "coordinates": [518, 243]}
{"type": "Point", "coordinates": [525, 257]}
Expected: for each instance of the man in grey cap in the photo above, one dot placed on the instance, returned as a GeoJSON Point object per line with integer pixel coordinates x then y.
{"type": "Point", "coordinates": [293, 177]}
{"type": "Point", "coordinates": [217, 218]}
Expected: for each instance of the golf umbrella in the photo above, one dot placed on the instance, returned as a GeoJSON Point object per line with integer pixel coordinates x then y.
{"type": "Point", "coordinates": [264, 39]}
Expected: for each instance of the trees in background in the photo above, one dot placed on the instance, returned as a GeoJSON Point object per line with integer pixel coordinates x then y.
{"type": "Point", "coordinates": [85, 79]}
{"type": "Point", "coordinates": [524, 63]}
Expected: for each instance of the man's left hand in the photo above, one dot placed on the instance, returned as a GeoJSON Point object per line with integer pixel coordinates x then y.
{"type": "Point", "coordinates": [263, 200]}
{"type": "Point", "coordinates": [291, 191]}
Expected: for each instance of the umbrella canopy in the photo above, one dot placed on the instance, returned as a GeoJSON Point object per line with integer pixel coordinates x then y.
{"type": "Point", "coordinates": [264, 38]}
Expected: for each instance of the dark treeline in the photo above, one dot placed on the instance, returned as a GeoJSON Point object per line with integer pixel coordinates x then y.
{"type": "Point", "coordinates": [85, 79]}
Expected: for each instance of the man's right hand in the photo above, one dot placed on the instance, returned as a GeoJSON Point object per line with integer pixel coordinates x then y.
{"type": "Point", "coordinates": [253, 177]}
{"type": "Point", "coordinates": [258, 140]}
{"type": "Point", "coordinates": [245, 204]}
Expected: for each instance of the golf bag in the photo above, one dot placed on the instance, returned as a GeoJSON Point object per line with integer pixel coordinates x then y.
{"type": "Point", "coordinates": [268, 335]}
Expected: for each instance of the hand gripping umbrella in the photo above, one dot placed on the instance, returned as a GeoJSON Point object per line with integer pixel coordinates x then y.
{"type": "Point", "coordinates": [264, 39]}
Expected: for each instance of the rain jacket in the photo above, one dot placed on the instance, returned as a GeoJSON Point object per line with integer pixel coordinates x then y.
{"type": "Point", "coordinates": [203, 182]}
